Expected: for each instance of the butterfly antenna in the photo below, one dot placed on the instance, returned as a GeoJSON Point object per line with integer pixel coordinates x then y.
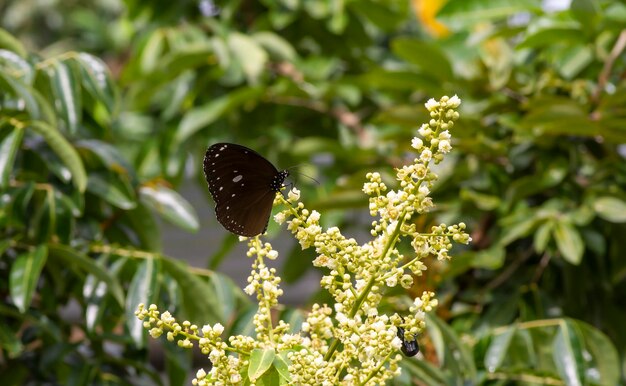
{"type": "Point", "coordinates": [293, 171]}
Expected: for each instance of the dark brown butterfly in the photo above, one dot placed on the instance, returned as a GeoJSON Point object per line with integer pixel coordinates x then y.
{"type": "Point", "coordinates": [243, 185]}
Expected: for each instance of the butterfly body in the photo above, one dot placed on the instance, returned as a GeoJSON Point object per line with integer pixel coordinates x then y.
{"type": "Point", "coordinates": [243, 185]}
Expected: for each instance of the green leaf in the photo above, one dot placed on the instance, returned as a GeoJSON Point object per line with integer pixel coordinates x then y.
{"type": "Point", "coordinates": [9, 340]}
{"type": "Point", "coordinates": [281, 364]}
{"type": "Point", "coordinates": [113, 190]}
{"type": "Point", "coordinates": [551, 35]}
{"type": "Point", "coordinates": [276, 45]}
{"type": "Point", "coordinates": [399, 80]}
{"type": "Point", "coordinates": [260, 362]}
{"type": "Point", "coordinates": [249, 54]}
{"type": "Point", "coordinates": [69, 257]}
{"type": "Point", "coordinates": [569, 242]}
{"type": "Point", "coordinates": [108, 155]}
{"type": "Point", "coordinates": [477, 11]}
{"type": "Point", "coordinates": [65, 151]}
{"type": "Point", "coordinates": [145, 226]}
{"type": "Point", "coordinates": [224, 293]}
{"type": "Point", "coordinates": [18, 67]}
{"type": "Point", "coordinates": [8, 150]}
{"type": "Point", "coordinates": [498, 348]}
{"type": "Point", "coordinates": [11, 43]}
{"type": "Point", "coordinates": [23, 92]}
{"type": "Point", "coordinates": [24, 276]}
{"type": "Point", "coordinates": [611, 209]}
{"type": "Point", "coordinates": [567, 354]}
{"type": "Point", "coordinates": [152, 52]}
{"type": "Point", "coordinates": [451, 351]}
{"type": "Point", "coordinates": [519, 229]}
{"type": "Point", "coordinates": [197, 295]}
{"type": "Point", "coordinates": [573, 60]}
{"type": "Point", "coordinates": [428, 57]}
{"type": "Point", "coordinates": [66, 94]}
{"type": "Point", "coordinates": [226, 246]}
{"type": "Point", "coordinates": [95, 292]}
{"type": "Point", "coordinates": [490, 258]}
{"type": "Point", "coordinates": [587, 12]}
{"type": "Point", "coordinates": [96, 79]}
{"type": "Point", "coordinates": [542, 236]}
{"type": "Point", "coordinates": [606, 363]}
{"type": "Point", "coordinates": [419, 371]}
{"type": "Point", "coordinates": [144, 288]}
{"type": "Point", "coordinates": [171, 205]}
{"type": "Point", "coordinates": [202, 116]}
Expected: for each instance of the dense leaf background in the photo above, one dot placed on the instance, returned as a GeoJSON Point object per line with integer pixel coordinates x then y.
{"type": "Point", "coordinates": [107, 106]}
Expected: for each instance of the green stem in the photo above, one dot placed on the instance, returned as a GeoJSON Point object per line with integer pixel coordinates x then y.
{"type": "Point", "coordinates": [361, 299]}
{"type": "Point", "coordinates": [376, 370]}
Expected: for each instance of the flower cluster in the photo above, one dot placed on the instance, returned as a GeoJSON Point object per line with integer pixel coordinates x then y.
{"type": "Point", "coordinates": [350, 343]}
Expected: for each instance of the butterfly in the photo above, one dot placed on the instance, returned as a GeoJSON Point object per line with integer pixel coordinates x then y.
{"type": "Point", "coordinates": [243, 185]}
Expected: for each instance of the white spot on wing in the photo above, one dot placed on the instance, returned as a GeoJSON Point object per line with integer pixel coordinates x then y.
{"type": "Point", "coordinates": [238, 178]}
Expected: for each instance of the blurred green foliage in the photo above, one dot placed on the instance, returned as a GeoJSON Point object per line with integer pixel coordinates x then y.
{"type": "Point", "coordinates": [106, 106]}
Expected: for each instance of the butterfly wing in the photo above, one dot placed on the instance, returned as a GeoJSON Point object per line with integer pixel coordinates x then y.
{"type": "Point", "coordinates": [240, 182]}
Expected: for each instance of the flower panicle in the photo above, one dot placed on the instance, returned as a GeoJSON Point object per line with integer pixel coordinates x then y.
{"type": "Point", "coordinates": [351, 330]}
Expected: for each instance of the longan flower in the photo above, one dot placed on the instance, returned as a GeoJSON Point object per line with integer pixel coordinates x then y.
{"type": "Point", "coordinates": [351, 341]}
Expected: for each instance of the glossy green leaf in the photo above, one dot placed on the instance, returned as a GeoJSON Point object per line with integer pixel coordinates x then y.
{"type": "Point", "coordinates": [225, 291]}
{"type": "Point", "coordinates": [519, 229]}
{"type": "Point", "coordinates": [24, 276]}
{"type": "Point", "coordinates": [96, 79]}
{"type": "Point", "coordinates": [109, 155]}
{"type": "Point", "coordinates": [8, 150]}
{"type": "Point", "coordinates": [490, 258]}
{"type": "Point", "coordinates": [152, 52]}
{"type": "Point", "coordinates": [223, 251]}
{"type": "Point", "coordinates": [9, 341]}
{"type": "Point", "coordinates": [471, 11]}
{"type": "Point", "coordinates": [24, 93]}
{"type": "Point", "coordinates": [569, 242]}
{"type": "Point", "coordinates": [96, 294]}
{"type": "Point", "coordinates": [66, 92]}
{"type": "Point", "coordinates": [9, 42]}
{"type": "Point", "coordinates": [498, 348]}
{"type": "Point", "coordinates": [542, 236]}
{"type": "Point", "coordinates": [567, 354]}
{"type": "Point", "coordinates": [450, 350]}
{"type": "Point", "coordinates": [251, 57]}
{"type": "Point", "coordinates": [144, 224]}
{"type": "Point", "coordinates": [143, 289]}
{"type": "Point", "coordinates": [574, 60]}
{"type": "Point", "coordinates": [419, 371]}
{"type": "Point", "coordinates": [65, 151]}
{"type": "Point", "coordinates": [277, 46]}
{"type": "Point", "coordinates": [606, 359]}
{"type": "Point", "coordinates": [171, 205]}
{"type": "Point", "coordinates": [260, 362]}
{"type": "Point", "coordinates": [381, 14]}
{"type": "Point", "coordinates": [115, 191]}
{"type": "Point", "coordinates": [427, 57]}
{"type": "Point", "coordinates": [546, 36]}
{"type": "Point", "coordinates": [399, 80]}
{"type": "Point", "coordinates": [281, 364]}
{"type": "Point", "coordinates": [19, 67]}
{"type": "Point", "coordinates": [72, 258]}
{"type": "Point", "coordinates": [610, 208]}
{"type": "Point", "coordinates": [202, 116]}
{"type": "Point", "coordinates": [198, 297]}
{"type": "Point", "coordinates": [587, 12]}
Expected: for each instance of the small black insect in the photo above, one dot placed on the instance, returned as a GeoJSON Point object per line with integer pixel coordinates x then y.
{"type": "Point", "coordinates": [409, 348]}
{"type": "Point", "coordinates": [243, 185]}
